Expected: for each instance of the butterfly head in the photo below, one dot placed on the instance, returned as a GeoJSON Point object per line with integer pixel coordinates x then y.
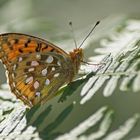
{"type": "Point", "coordinates": [77, 54]}
{"type": "Point", "coordinates": [77, 57]}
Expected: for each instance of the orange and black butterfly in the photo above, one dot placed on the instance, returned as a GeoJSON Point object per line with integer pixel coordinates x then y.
{"type": "Point", "coordinates": [36, 68]}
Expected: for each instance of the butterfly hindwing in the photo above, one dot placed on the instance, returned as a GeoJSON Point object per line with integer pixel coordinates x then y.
{"type": "Point", "coordinates": [38, 79]}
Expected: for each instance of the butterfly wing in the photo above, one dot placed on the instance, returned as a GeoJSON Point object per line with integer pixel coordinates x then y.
{"type": "Point", "coordinates": [36, 69]}
{"type": "Point", "coordinates": [14, 44]}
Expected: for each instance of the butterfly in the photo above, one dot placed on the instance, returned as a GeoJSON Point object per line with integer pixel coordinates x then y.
{"type": "Point", "coordinates": [36, 68]}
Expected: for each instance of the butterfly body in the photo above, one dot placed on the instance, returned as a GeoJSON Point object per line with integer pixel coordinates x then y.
{"type": "Point", "coordinates": [36, 68]}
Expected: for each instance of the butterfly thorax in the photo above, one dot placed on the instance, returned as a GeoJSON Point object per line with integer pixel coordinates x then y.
{"type": "Point", "coordinates": [77, 58]}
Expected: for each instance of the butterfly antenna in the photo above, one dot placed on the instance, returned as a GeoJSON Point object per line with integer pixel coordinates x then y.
{"type": "Point", "coordinates": [89, 33]}
{"type": "Point", "coordinates": [73, 36]}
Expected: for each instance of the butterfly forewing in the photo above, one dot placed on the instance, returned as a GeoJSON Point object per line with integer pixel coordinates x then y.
{"type": "Point", "coordinates": [13, 45]}
{"type": "Point", "coordinates": [36, 69]}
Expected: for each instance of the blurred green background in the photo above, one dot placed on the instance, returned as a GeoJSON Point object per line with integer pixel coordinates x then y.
{"type": "Point", "coordinates": [49, 19]}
